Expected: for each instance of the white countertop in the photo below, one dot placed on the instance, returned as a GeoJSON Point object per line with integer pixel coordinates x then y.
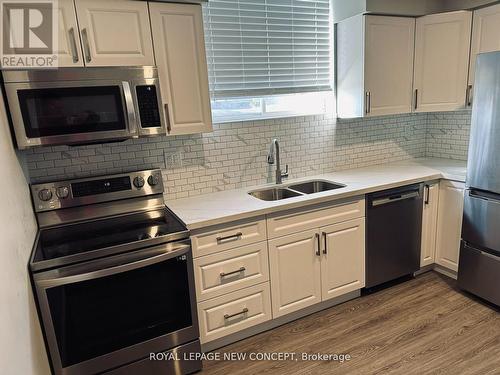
{"type": "Point", "coordinates": [227, 206]}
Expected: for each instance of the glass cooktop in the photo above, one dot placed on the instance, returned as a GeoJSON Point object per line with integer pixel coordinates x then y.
{"type": "Point", "coordinates": [85, 237]}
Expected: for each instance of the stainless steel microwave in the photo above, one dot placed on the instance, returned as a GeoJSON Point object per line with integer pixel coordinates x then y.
{"type": "Point", "coordinates": [83, 105]}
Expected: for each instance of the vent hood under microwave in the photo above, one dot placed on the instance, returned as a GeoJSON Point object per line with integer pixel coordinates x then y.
{"type": "Point", "coordinates": [70, 106]}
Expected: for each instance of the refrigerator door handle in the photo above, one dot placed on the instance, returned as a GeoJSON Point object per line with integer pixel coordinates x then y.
{"type": "Point", "coordinates": [487, 196]}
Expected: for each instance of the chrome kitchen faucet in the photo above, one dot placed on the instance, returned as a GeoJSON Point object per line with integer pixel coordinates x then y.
{"type": "Point", "coordinates": [275, 147]}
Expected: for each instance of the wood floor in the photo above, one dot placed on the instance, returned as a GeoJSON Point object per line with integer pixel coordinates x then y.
{"type": "Point", "coordinates": [423, 326]}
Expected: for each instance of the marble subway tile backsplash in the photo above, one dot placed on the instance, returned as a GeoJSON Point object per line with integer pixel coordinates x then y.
{"type": "Point", "coordinates": [448, 134]}
{"type": "Point", "coordinates": [234, 154]}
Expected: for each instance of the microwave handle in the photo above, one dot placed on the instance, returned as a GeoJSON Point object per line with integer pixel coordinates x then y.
{"type": "Point", "coordinates": [129, 107]}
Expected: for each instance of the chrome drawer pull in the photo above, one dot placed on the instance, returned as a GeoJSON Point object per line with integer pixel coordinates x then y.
{"type": "Point", "coordinates": [325, 243]}
{"type": "Point", "coordinates": [244, 311]}
{"type": "Point", "coordinates": [318, 245]}
{"type": "Point", "coordinates": [233, 237]}
{"type": "Point", "coordinates": [72, 43]}
{"type": "Point", "coordinates": [224, 274]}
{"type": "Point", "coordinates": [86, 46]}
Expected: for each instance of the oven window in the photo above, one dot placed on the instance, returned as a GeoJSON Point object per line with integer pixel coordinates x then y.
{"type": "Point", "coordinates": [71, 110]}
{"type": "Point", "coordinates": [99, 316]}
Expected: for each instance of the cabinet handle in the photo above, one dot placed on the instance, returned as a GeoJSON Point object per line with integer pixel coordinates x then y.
{"type": "Point", "coordinates": [427, 194]}
{"type": "Point", "coordinates": [318, 251]}
{"type": "Point", "coordinates": [468, 96]}
{"type": "Point", "coordinates": [368, 103]}
{"type": "Point", "coordinates": [72, 42]}
{"type": "Point", "coordinates": [325, 248]}
{"type": "Point", "coordinates": [86, 45]}
{"type": "Point", "coordinates": [227, 316]}
{"type": "Point", "coordinates": [416, 98]}
{"type": "Point", "coordinates": [167, 116]}
{"type": "Point", "coordinates": [224, 274]}
{"type": "Point", "coordinates": [232, 237]}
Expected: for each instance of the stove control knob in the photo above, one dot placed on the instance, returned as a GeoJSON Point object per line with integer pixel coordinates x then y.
{"type": "Point", "coordinates": [138, 182]}
{"type": "Point", "coordinates": [62, 192]}
{"type": "Point", "coordinates": [45, 195]}
{"type": "Point", "coordinates": [153, 180]}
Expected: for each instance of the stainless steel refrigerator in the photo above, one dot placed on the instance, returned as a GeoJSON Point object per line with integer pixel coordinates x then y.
{"type": "Point", "coordinates": [479, 264]}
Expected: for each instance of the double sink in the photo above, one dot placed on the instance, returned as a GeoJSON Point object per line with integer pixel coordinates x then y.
{"type": "Point", "coordinates": [295, 190]}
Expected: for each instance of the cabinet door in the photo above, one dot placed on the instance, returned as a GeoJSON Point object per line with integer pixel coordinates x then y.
{"type": "Point", "coordinates": [485, 37]}
{"type": "Point", "coordinates": [69, 53]}
{"type": "Point", "coordinates": [389, 48]}
{"type": "Point", "coordinates": [450, 213]}
{"type": "Point", "coordinates": [343, 258]}
{"type": "Point", "coordinates": [182, 65]}
{"type": "Point", "coordinates": [294, 263]}
{"type": "Point", "coordinates": [115, 32]}
{"type": "Point", "coordinates": [442, 45]}
{"type": "Point", "coordinates": [429, 224]}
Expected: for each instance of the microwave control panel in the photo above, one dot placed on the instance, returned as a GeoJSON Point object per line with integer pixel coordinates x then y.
{"type": "Point", "coordinates": [147, 102]}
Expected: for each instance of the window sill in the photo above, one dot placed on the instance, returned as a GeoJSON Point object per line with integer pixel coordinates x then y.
{"type": "Point", "coordinates": [269, 116]}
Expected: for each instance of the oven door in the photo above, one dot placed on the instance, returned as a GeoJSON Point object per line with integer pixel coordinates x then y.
{"type": "Point", "coordinates": [71, 112]}
{"type": "Point", "coordinates": [102, 314]}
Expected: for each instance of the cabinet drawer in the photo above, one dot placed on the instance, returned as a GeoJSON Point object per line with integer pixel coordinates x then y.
{"type": "Point", "coordinates": [297, 220]}
{"type": "Point", "coordinates": [233, 312]}
{"type": "Point", "coordinates": [224, 237]}
{"type": "Point", "coordinates": [230, 270]}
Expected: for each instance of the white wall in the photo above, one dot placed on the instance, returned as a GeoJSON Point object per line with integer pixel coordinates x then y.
{"type": "Point", "coordinates": [21, 345]}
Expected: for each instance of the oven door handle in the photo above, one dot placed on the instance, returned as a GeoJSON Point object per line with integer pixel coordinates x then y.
{"type": "Point", "coordinates": [130, 109]}
{"type": "Point", "coordinates": [110, 266]}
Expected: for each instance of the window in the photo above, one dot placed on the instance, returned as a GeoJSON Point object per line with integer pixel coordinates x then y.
{"type": "Point", "coordinates": [268, 58]}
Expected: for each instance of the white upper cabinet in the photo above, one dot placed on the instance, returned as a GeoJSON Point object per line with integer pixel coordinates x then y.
{"type": "Point", "coordinates": [115, 32]}
{"type": "Point", "coordinates": [350, 67]}
{"type": "Point", "coordinates": [374, 65]}
{"type": "Point", "coordinates": [181, 59]}
{"type": "Point", "coordinates": [69, 52]}
{"type": "Point", "coordinates": [389, 46]}
{"type": "Point", "coordinates": [485, 37]}
{"type": "Point", "coordinates": [442, 45]}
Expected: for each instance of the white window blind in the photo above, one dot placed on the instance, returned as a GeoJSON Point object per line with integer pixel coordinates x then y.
{"type": "Point", "coordinates": [266, 47]}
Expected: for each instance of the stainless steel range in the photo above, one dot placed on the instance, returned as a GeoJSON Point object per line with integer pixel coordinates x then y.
{"type": "Point", "coordinates": [113, 275]}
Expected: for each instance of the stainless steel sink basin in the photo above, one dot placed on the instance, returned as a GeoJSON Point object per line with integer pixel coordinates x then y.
{"type": "Point", "coordinates": [274, 194]}
{"type": "Point", "coordinates": [295, 190]}
{"type": "Point", "coordinates": [315, 186]}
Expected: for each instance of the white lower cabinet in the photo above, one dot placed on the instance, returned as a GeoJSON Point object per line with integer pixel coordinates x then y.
{"type": "Point", "coordinates": [343, 258]}
{"type": "Point", "coordinates": [245, 275]}
{"type": "Point", "coordinates": [294, 263]}
{"type": "Point", "coordinates": [231, 270]}
{"type": "Point", "coordinates": [315, 265]}
{"type": "Point", "coordinates": [232, 312]}
{"type": "Point", "coordinates": [429, 224]}
{"type": "Point", "coordinates": [451, 204]}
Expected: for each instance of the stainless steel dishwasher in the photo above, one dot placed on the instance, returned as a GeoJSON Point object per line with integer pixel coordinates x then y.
{"type": "Point", "coordinates": [393, 233]}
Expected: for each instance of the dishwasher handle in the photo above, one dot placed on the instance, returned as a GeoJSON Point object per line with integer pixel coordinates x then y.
{"type": "Point", "coordinates": [396, 198]}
